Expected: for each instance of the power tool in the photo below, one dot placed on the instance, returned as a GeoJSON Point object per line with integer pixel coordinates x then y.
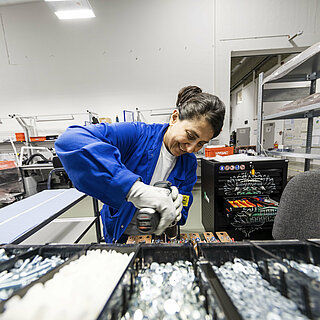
{"type": "Point", "coordinates": [148, 219]}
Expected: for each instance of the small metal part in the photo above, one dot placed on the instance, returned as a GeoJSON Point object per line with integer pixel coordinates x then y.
{"type": "Point", "coordinates": [172, 232]}
{"type": "Point", "coordinates": [4, 256]}
{"type": "Point", "coordinates": [253, 296]}
{"type": "Point", "coordinates": [24, 272]}
{"type": "Point", "coordinates": [223, 236]}
{"type": "Point", "coordinates": [167, 291]}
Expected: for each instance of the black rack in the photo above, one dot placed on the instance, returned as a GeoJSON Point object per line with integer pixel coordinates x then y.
{"type": "Point", "coordinates": [225, 181]}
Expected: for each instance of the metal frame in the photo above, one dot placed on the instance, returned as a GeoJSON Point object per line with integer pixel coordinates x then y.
{"type": "Point", "coordinates": [260, 108]}
{"type": "Point", "coordinates": [309, 112]}
{"type": "Point", "coordinates": [96, 213]}
{"type": "Point", "coordinates": [28, 128]}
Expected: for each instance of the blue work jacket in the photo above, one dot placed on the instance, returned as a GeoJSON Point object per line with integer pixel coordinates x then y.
{"type": "Point", "coordinates": [105, 160]}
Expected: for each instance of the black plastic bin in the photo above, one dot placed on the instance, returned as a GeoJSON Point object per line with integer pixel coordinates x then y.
{"type": "Point", "coordinates": [302, 252]}
{"type": "Point", "coordinates": [117, 305]}
{"type": "Point", "coordinates": [64, 251]}
{"type": "Point", "coordinates": [293, 284]}
{"type": "Point", "coordinates": [14, 250]}
{"type": "Point", "coordinates": [72, 252]}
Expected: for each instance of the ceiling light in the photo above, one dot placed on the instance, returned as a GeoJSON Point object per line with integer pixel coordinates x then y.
{"type": "Point", "coordinates": [75, 14]}
{"type": "Point", "coordinates": [71, 9]}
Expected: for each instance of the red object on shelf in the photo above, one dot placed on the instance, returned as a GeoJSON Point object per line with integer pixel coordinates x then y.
{"type": "Point", "coordinates": [20, 136]}
{"type": "Point", "coordinates": [212, 151]}
{"type": "Point", "coordinates": [7, 165]}
{"type": "Point", "coordinates": [37, 138]}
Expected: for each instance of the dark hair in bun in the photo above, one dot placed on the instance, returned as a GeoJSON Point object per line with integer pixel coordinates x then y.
{"type": "Point", "coordinates": [192, 103]}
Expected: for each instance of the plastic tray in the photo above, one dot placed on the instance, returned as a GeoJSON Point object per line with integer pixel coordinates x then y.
{"type": "Point", "coordinates": [65, 251]}
{"type": "Point", "coordinates": [292, 284]}
{"type": "Point", "coordinates": [15, 250]}
{"type": "Point", "coordinates": [72, 252]}
{"type": "Point", "coordinates": [303, 252]}
{"type": "Point", "coordinates": [117, 305]}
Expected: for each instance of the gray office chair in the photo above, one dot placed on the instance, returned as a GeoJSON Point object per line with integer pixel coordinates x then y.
{"type": "Point", "coordinates": [298, 214]}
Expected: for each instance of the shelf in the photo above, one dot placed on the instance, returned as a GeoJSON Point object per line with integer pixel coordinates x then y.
{"type": "Point", "coordinates": [299, 68]}
{"type": "Point", "coordinates": [37, 166]}
{"type": "Point", "coordinates": [303, 67]}
{"type": "Point", "coordinates": [302, 72]}
{"type": "Point", "coordinates": [294, 155]}
{"type": "Point", "coordinates": [64, 230]}
{"type": "Point", "coordinates": [14, 141]}
{"type": "Point", "coordinates": [44, 141]}
{"type": "Point", "coordinates": [23, 142]}
{"type": "Point", "coordinates": [297, 113]}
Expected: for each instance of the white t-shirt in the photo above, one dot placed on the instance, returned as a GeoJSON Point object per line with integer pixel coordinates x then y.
{"type": "Point", "coordinates": [165, 164]}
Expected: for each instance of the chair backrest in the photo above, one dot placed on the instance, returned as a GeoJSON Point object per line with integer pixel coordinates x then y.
{"type": "Point", "coordinates": [60, 171]}
{"type": "Point", "coordinates": [298, 214]}
{"type": "Point", "coordinates": [56, 162]}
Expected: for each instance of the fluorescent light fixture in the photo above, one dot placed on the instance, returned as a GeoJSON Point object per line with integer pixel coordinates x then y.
{"type": "Point", "coordinates": [71, 9]}
{"type": "Point", "coordinates": [75, 14]}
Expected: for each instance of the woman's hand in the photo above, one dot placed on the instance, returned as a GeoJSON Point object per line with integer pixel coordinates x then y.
{"type": "Point", "coordinates": [160, 199]}
{"type": "Point", "coordinates": [177, 201]}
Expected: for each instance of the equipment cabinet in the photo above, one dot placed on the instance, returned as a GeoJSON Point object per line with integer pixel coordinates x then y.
{"type": "Point", "coordinates": [241, 196]}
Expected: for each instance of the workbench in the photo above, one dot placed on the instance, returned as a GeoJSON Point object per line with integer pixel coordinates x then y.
{"type": "Point", "coordinates": [33, 219]}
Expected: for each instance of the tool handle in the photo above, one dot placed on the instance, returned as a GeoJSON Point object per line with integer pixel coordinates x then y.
{"type": "Point", "coordinates": [147, 218]}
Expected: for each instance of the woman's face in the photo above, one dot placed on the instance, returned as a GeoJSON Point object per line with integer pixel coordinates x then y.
{"type": "Point", "coordinates": [184, 136]}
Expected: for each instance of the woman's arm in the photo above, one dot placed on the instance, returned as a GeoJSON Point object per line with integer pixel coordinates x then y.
{"type": "Point", "coordinates": [92, 155]}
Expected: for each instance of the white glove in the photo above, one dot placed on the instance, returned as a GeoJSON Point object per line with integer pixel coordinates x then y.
{"type": "Point", "coordinates": [145, 196]}
{"type": "Point", "coordinates": [177, 201]}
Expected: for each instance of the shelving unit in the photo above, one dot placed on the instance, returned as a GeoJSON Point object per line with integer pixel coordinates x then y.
{"type": "Point", "coordinates": [304, 67]}
{"type": "Point", "coordinates": [29, 123]}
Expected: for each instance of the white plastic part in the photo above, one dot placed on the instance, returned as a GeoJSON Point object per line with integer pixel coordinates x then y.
{"type": "Point", "coordinates": [78, 291]}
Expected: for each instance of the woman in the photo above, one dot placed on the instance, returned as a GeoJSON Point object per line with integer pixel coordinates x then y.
{"type": "Point", "coordinates": [119, 163]}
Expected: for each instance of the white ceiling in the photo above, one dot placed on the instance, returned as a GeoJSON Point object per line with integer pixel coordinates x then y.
{"type": "Point", "coordinates": [10, 2]}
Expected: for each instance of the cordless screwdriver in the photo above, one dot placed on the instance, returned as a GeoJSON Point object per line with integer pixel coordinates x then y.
{"type": "Point", "coordinates": [148, 219]}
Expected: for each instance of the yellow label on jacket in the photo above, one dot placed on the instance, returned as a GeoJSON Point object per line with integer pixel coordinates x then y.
{"type": "Point", "coordinates": [185, 200]}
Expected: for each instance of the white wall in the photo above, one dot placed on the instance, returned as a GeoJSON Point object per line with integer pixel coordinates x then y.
{"type": "Point", "coordinates": [245, 110]}
{"type": "Point", "coordinates": [133, 54]}
{"type": "Point", "coordinates": [258, 25]}
{"type": "Point", "coordinates": [137, 53]}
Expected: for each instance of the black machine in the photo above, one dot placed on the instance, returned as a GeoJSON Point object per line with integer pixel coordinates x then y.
{"type": "Point", "coordinates": [241, 197]}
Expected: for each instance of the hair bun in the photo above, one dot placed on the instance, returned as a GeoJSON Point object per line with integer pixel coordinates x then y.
{"type": "Point", "coordinates": [187, 93]}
